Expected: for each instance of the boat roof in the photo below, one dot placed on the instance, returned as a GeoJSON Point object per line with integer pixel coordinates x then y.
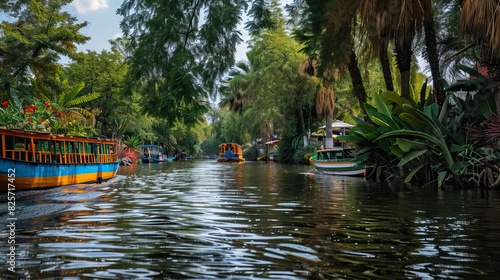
{"type": "Point", "coordinates": [338, 124]}
{"type": "Point", "coordinates": [231, 144]}
{"type": "Point", "coordinates": [334, 149]}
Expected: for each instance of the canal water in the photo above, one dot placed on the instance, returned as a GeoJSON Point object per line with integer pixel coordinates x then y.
{"type": "Point", "coordinates": [205, 220]}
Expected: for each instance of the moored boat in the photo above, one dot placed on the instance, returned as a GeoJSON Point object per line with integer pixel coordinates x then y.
{"type": "Point", "coordinates": [338, 161]}
{"type": "Point", "coordinates": [31, 160]}
{"type": "Point", "coordinates": [152, 153]}
{"type": "Point", "coordinates": [230, 152]}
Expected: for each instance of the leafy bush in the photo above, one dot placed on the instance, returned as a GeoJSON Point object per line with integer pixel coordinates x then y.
{"type": "Point", "coordinates": [303, 154]}
{"type": "Point", "coordinates": [423, 144]}
{"type": "Point", "coordinates": [250, 153]}
{"type": "Point", "coordinates": [132, 142]}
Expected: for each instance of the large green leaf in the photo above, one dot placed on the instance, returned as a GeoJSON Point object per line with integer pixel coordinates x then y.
{"type": "Point", "coordinates": [395, 150]}
{"type": "Point", "coordinates": [429, 100]}
{"type": "Point", "coordinates": [359, 121]}
{"type": "Point", "coordinates": [362, 130]}
{"type": "Point", "coordinates": [438, 142]}
{"type": "Point", "coordinates": [365, 150]}
{"type": "Point", "coordinates": [413, 172]}
{"type": "Point", "coordinates": [441, 177]}
{"type": "Point", "coordinates": [430, 124]}
{"type": "Point", "coordinates": [444, 109]}
{"type": "Point", "coordinates": [372, 135]}
{"type": "Point", "coordinates": [411, 156]}
{"type": "Point", "coordinates": [393, 124]}
{"type": "Point", "coordinates": [393, 97]}
{"type": "Point", "coordinates": [365, 127]}
{"type": "Point", "coordinates": [351, 138]}
{"type": "Point", "coordinates": [374, 115]}
{"type": "Point", "coordinates": [385, 112]}
{"type": "Point", "coordinates": [409, 145]}
{"type": "Point", "coordinates": [412, 120]}
{"type": "Point", "coordinates": [432, 111]}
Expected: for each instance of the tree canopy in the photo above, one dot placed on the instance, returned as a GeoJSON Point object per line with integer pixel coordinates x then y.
{"type": "Point", "coordinates": [33, 44]}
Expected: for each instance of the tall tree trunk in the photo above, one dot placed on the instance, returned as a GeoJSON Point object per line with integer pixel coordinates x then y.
{"type": "Point", "coordinates": [403, 58]}
{"type": "Point", "coordinates": [302, 125]}
{"type": "Point", "coordinates": [357, 80]}
{"type": "Point", "coordinates": [326, 105]}
{"type": "Point", "coordinates": [386, 67]}
{"type": "Point", "coordinates": [328, 130]}
{"type": "Point", "coordinates": [433, 58]}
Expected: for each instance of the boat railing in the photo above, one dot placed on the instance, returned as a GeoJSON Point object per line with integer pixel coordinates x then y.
{"type": "Point", "coordinates": [65, 158]}
{"type": "Point", "coordinates": [334, 160]}
{"type": "Point", "coordinates": [108, 158]}
{"type": "Point", "coordinates": [77, 158]}
{"type": "Point", "coordinates": [87, 158]}
{"type": "Point", "coordinates": [45, 157]}
{"type": "Point", "coordinates": [18, 154]}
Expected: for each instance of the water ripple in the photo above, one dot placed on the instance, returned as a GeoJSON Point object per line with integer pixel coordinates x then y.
{"type": "Point", "coordinates": [204, 220]}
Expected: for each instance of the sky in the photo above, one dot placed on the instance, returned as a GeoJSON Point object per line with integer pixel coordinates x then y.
{"type": "Point", "coordinates": [104, 24]}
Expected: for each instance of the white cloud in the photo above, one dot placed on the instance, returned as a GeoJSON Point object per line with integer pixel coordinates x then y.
{"type": "Point", "coordinates": [83, 6]}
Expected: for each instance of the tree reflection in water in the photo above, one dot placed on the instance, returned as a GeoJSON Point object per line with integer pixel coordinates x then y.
{"type": "Point", "coordinates": [208, 220]}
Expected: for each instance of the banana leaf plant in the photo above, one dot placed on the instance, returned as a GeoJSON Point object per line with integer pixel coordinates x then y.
{"type": "Point", "coordinates": [422, 143]}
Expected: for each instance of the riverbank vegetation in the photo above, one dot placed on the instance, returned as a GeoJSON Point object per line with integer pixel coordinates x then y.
{"type": "Point", "coordinates": [420, 80]}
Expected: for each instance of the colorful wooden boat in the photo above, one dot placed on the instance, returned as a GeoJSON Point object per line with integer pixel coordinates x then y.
{"type": "Point", "coordinates": [338, 161]}
{"type": "Point", "coordinates": [31, 160]}
{"type": "Point", "coordinates": [152, 153]}
{"type": "Point", "coordinates": [230, 152]}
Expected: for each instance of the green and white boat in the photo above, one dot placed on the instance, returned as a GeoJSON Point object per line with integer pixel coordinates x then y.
{"type": "Point", "coordinates": [338, 161]}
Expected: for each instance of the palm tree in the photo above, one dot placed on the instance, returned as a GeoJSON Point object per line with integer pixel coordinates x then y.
{"type": "Point", "coordinates": [238, 88]}
{"type": "Point", "coordinates": [327, 28]}
{"type": "Point", "coordinates": [378, 32]}
{"type": "Point", "coordinates": [67, 103]}
{"type": "Point", "coordinates": [479, 21]}
{"type": "Point", "coordinates": [325, 105]}
{"type": "Point", "coordinates": [432, 52]}
{"type": "Point", "coordinates": [398, 21]}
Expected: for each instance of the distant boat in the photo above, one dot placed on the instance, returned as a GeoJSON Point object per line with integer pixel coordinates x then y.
{"type": "Point", "coordinates": [269, 153]}
{"type": "Point", "coordinates": [152, 153]}
{"type": "Point", "coordinates": [338, 161]}
{"type": "Point", "coordinates": [230, 152]}
{"type": "Point", "coordinates": [34, 160]}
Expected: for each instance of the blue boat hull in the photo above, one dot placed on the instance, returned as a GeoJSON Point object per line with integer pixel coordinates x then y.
{"type": "Point", "coordinates": [29, 175]}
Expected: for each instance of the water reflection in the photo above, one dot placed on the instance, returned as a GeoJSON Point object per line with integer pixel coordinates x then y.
{"type": "Point", "coordinates": [207, 220]}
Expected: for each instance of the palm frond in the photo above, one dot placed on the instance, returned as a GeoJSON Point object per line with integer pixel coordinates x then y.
{"type": "Point", "coordinates": [480, 21]}
{"type": "Point", "coordinates": [84, 99]}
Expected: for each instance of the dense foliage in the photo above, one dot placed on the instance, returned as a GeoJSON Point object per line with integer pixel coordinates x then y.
{"type": "Point", "coordinates": [354, 60]}
{"type": "Point", "coordinates": [32, 45]}
{"type": "Point", "coordinates": [421, 142]}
